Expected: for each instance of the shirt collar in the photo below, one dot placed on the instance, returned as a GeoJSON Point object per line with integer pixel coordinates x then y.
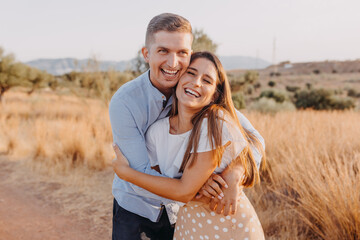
{"type": "Point", "coordinates": [154, 91]}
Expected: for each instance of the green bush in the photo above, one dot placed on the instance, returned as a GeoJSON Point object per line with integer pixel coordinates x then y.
{"type": "Point", "coordinates": [292, 88]}
{"type": "Point", "coordinates": [251, 77]}
{"type": "Point", "coordinates": [309, 86]}
{"type": "Point", "coordinates": [277, 74]}
{"type": "Point", "coordinates": [249, 89]}
{"type": "Point", "coordinates": [353, 93]}
{"type": "Point", "coordinates": [236, 82]}
{"type": "Point", "coordinates": [239, 100]}
{"type": "Point", "coordinates": [271, 83]}
{"type": "Point", "coordinates": [321, 99]}
{"type": "Point", "coordinates": [257, 85]}
{"type": "Point", "coordinates": [14, 73]}
{"type": "Point", "coordinates": [276, 94]}
{"type": "Point", "coordinates": [269, 105]}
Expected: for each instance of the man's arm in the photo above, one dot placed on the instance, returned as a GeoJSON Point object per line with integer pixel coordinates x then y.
{"type": "Point", "coordinates": [248, 126]}
{"type": "Point", "coordinates": [131, 141]}
{"type": "Point", "coordinates": [232, 175]}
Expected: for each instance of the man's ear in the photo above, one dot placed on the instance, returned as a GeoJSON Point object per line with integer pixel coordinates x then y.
{"type": "Point", "coordinates": [145, 53]}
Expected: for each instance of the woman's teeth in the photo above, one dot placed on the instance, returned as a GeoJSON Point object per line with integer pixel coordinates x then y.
{"type": "Point", "coordinates": [189, 91]}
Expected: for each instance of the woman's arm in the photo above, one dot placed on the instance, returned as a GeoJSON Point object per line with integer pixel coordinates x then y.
{"type": "Point", "coordinates": [183, 189]}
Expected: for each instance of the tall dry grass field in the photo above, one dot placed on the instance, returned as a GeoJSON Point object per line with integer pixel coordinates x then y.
{"type": "Point", "coordinates": [310, 188]}
{"type": "Point", "coordinates": [60, 131]}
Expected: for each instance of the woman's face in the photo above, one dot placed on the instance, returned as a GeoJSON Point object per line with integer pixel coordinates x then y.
{"type": "Point", "coordinates": [197, 86]}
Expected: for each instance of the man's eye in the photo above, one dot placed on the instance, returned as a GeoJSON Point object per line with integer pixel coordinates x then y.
{"type": "Point", "coordinates": [183, 53]}
{"type": "Point", "coordinates": [162, 51]}
{"type": "Point", "coordinates": [191, 73]}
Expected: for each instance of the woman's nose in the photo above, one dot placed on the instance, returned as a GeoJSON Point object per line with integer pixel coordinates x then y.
{"type": "Point", "coordinates": [197, 81]}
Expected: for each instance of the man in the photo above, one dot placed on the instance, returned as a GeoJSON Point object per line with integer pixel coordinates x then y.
{"type": "Point", "coordinates": [138, 214]}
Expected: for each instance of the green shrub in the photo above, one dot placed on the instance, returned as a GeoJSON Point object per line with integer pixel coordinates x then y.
{"type": "Point", "coordinates": [278, 95]}
{"type": "Point", "coordinates": [269, 105]}
{"type": "Point", "coordinates": [14, 73]}
{"type": "Point", "coordinates": [353, 93]}
{"type": "Point", "coordinates": [271, 83]}
{"type": "Point", "coordinates": [236, 82]}
{"type": "Point", "coordinates": [321, 99]}
{"type": "Point", "coordinates": [292, 88]}
{"type": "Point", "coordinates": [251, 77]}
{"type": "Point", "coordinates": [277, 74]}
{"type": "Point", "coordinates": [309, 86]}
{"type": "Point", "coordinates": [257, 85]}
{"type": "Point", "coordinates": [239, 100]}
{"type": "Point", "coordinates": [249, 89]}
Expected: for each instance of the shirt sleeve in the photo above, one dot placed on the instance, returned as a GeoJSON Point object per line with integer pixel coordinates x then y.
{"type": "Point", "coordinates": [245, 123]}
{"type": "Point", "coordinates": [226, 136]}
{"type": "Point", "coordinates": [131, 142]}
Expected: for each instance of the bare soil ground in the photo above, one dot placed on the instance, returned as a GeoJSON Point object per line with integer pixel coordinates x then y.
{"type": "Point", "coordinates": [29, 210]}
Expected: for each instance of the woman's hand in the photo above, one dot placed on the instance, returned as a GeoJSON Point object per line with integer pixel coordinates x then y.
{"type": "Point", "coordinates": [120, 164]}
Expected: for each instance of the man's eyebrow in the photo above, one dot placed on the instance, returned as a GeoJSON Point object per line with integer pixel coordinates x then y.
{"type": "Point", "coordinates": [162, 48]}
{"type": "Point", "coordinates": [184, 50]}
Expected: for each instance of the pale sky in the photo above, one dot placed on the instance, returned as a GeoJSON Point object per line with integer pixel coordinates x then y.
{"type": "Point", "coordinates": [305, 30]}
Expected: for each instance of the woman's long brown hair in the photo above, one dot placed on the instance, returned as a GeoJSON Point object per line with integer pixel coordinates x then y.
{"type": "Point", "coordinates": [215, 113]}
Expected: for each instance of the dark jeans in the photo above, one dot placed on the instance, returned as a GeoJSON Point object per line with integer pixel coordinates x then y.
{"type": "Point", "coordinates": [130, 226]}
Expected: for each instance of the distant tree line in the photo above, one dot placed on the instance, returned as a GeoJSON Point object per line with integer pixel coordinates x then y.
{"type": "Point", "coordinates": [14, 73]}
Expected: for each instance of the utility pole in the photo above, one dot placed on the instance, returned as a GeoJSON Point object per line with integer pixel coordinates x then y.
{"type": "Point", "coordinates": [274, 56]}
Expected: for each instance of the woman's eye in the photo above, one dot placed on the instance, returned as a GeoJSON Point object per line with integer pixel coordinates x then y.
{"type": "Point", "coordinates": [207, 81]}
{"type": "Point", "coordinates": [191, 73]}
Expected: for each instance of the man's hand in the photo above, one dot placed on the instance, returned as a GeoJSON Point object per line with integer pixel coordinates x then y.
{"type": "Point", "coordinates": [213, 187]}
{"type": "Point", "coordinates": [120, 163]}
{"type": "Point", "coordinates": [228, 204]}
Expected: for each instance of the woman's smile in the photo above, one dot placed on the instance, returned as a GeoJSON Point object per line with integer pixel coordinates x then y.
{"type": "Point", "coordinates": [197, 86]}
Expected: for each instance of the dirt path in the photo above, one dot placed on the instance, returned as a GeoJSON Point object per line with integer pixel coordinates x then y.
{"type": "Point", "coordinates": [24, 214]}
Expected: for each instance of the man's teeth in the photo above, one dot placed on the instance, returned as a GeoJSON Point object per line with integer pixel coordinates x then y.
{"type": "Point", "coordinates": [170, 72]}
{"type": "Point", "coordinates": [192, 93]}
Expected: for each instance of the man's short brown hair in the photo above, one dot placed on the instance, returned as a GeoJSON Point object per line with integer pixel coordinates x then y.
{"type": "Point", "coordinates": [166, 22]}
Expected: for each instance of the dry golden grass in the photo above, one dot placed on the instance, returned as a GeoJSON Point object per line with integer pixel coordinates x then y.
{"type": "Point", "coordinates": [59, 131]}
{"type": "Point", "coordinates": [310, 188]}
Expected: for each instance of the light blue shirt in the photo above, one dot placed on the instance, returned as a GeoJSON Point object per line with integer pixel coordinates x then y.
{"type": "Point", "coordinates": [133, 108]}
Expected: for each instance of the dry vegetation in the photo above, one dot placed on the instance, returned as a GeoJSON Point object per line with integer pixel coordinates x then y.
{"type": "Point", "coordinates": [310, 188]}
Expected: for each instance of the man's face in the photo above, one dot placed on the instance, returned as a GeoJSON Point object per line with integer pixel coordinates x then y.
{"type": "Point", "coordinates": [168, 56]}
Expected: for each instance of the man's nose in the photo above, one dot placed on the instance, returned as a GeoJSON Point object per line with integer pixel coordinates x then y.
{"type": "Point", "coordinates": [173, 60]}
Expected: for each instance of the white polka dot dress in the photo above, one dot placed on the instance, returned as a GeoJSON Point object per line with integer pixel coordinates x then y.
{"type": "Point", "coordinates": [197, 221]}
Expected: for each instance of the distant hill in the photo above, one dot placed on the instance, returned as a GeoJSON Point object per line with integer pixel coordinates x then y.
{"type": "Point", "coordinates": [288, 68]}
{"type": "Point", "coordinates": [65, 65]}
{"type": "Point", "coordinates": [241, 62]}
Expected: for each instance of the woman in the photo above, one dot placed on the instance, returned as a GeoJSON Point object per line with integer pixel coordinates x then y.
{"type": "Point", "coordinates": [201, 136]}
